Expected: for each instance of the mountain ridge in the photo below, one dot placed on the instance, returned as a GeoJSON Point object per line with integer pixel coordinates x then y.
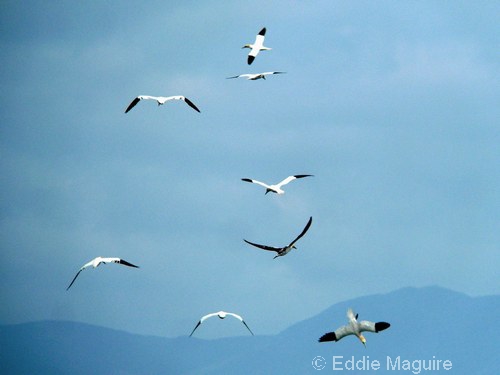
{"type": "Point", "coordinates": [426, 323]}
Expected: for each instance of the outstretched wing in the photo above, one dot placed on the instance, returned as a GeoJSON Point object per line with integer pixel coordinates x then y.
{"type": "Point", "coordinates": [256, 182]}
{"type": "Point", "coordinates": [373, 327]}
{"type": "Point", "coordinates": [263, 247]}
{"type": "Point", "coordinates": [247, 327]}
{"type": "Point", "coordinates": [191, 104]}
{"type": "Point", "coordinates": [306, 228]}
{"type": "Point", "coordinates": [194, 329]}
{"type": "Point", "coordinates": [269, 73]}
{"type": "Point", "coordinates": [132, 104]}
{"type": "Point", "coordinates": [125, 263]}
{"type": "Point", "coordinates": [337, 335]}
{"type": "Point", "coordinates": [75, 278]}
{"type": "Point", "coordinates": [291, 178]}
{"type": "Point", "coordinates": [259, 42]}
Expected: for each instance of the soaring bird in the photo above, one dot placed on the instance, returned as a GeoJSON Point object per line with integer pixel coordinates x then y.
{"type": "Point", "coordinates": [221, 315]}
{"type": "Point", "coordinates": [276, 188]}
{"type": "Point", "coordinates": [97, 262]}
{"type": "Point", "coordinates": [283, 250]}
{"type": "Point", "coordinates": [161, 100]}
{"type": "Point", "coordinates": [354, 328]}
{"type": "Point", "coordinates": [257, 46]}
{"type": "Point", "coordinates": [255, 76]}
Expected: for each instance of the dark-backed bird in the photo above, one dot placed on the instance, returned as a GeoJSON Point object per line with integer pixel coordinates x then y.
{"type": "Point", "coordinates": [354, 328]}
{"type": "Point", "coordinates": [161, 100]}
{"type": "Point", "coordinates": [221, 315]}
{"type": "Point", "coordinates": [277, 187]}
{"type": "Point", "coordinates": [97, 262]}
{"type": "Point", "coordinates": [257, 46]}
{"type": "Point", "coordinates": [286, 249]}
{"type": "Point", "coordinates": [255, 76]}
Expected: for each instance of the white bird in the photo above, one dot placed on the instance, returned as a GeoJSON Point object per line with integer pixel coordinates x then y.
{"type": "Point", "coordinates": [277, 187]}
{"type": "Point", "coordinates": [354, 328]}
{"type": "Point", "coordinates": [97, 262]}
{"type": "Point", "coordinates": [161, 100]}
{"type": "Point", "coordinates": [286, 249]}
{"type": "Point", "coordinates": [255, 76]}
{"type": "Point", "coordinates": [257, 46]}
{"type": "Point", "coordinates": [221, 315]}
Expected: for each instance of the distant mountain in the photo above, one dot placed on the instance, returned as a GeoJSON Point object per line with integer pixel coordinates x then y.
{"type": "Point", "coordinates": [427, 324]}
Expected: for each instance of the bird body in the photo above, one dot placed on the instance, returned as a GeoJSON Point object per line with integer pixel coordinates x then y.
{"type": "Point", "coordinates": [281, 251]}
{"type": "Point", "coordinates": [257, 46]}
{"type": "Point", "coordinates": [277, 187]}
{"type": "Point", "coordinates": [354, 327]}
{"type": "Point", "coordinates": [222, 315]}
{"type": "Point", "coordinates": [96, 262]}
{"type": "Point", "coordinates": [161, 100]}
{"type": "Point", "coordinates": [255, 76]}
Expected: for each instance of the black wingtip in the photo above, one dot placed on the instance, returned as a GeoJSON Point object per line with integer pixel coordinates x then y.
{"type": "Point", "coordinates": [191, 104]}
{"type": "Point", "coordinates": [303, 175]}
{"type": "Point", "coordinates": [125, 263]}
{"type": "Point", "coordinates": [251, 59]}
{"type": "Point", "coordinates": [380, 326]}
{"type": "Point", "coordinates": [330, 336]}
{"type": "Point", "coordinates": [132, 104]}
{"type": "Point", "coordinates": [263, 31]}
{"type": "Point", "coordinates": [246, 180]}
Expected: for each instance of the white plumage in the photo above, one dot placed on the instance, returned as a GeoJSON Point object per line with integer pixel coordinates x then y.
{"type": "Point", "coordinates": [255, 76]}
{"type": "Point", "coordinates": [96, 262]}
{"type": "Point", "coordinates": [354, 328]}
{"type": "Point", "coordinates": [277, 187]}
{"type": "Point", "coordinates": [257, 46]}
{"type": "Point", "coordinates": [161, 100]}
{"type": "Point", "coordinates": [222, 315]}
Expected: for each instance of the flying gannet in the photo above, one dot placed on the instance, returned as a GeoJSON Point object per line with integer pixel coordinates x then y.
{"type": "Point", "coordinates": [286, 249]}
{"type": "Point", "coordinates": [354, 328]}
{"type": "Point", "coordinates": [221, 315]}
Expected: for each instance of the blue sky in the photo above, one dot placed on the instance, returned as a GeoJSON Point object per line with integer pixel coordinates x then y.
{"type": "Point", "coordinates": [393, 106]}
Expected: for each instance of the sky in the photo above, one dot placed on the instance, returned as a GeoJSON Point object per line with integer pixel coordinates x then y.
{"type": "Point", "coordinates": [391, 105]}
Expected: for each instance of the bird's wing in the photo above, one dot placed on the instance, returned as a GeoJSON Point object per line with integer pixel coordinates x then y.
{"type": "Point", "coordinates": [191, 104]}
{"type": "Point", "coordinates": [256, 182]}
{"type": "Point", "coordinates": [241, 320]}
{"type": "Point", "coordinates": [132, 104]}
{"type": "Point", "coordinates": [149, 97]}
{"type": "Point", "coordinates": [372, 327]}
{"type": "Point", "coordinates": [337, 335]}
{"type": "Point", "coordinates": [263, 247]}
{"type": "Point", "coordinates": [81, 269]}
{"type": "Point", "coordinates": [251, 56]}
{"type": "Point", "coordinates": [268, 73]}
{"type": "Point", "coordinates": [208, 316]}
{"type": "Point", "coordinates": [236, 316]}
{"type": "Point", "coordinates": [259, 39]}
{"type": "Point", "coordinates": [303, 232]}
{"type": "Point", "coordinates": [125, 263]}
{"type": "Point", "coordinates": [291, 178]}
{"type": "Point", "coordinates": [119, 261]}
{"type": "Point", "coordinates": [194, 329]}
{"type": "Point", "coordinates": [241, 75]}
{"type": "Point", "coordinates": [247, 327]}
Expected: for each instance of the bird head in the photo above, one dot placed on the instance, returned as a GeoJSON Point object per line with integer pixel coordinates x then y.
{"type": "Point", "coordinates": [247, 46]}
{"type": "Point", "coordinates": [362, 339]}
